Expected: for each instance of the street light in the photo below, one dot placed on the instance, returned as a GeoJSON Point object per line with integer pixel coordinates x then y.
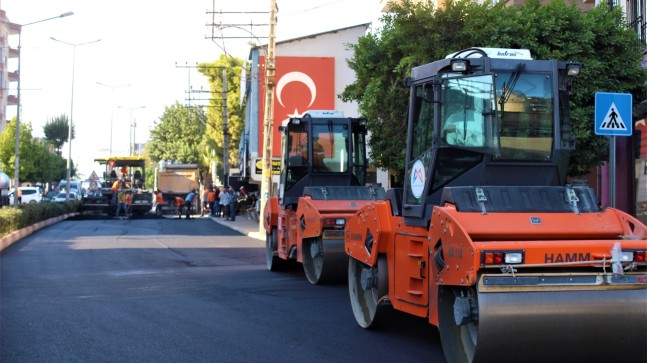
{"type": "Point", "coordinates": [131, 141]}
{"type": "Point", "coordinates": [69, 128]}
{"type": "Point", "coordinates": [112, 106]}
{"type": "Point", "coordinates": [17, 151]}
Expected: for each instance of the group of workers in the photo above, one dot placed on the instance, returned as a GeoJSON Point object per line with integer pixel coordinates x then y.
{"type": "Point", "coordinates": [216, 202]}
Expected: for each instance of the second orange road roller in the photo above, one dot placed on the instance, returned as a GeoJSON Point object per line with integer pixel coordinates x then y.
{"type": "Point", "coordinates": [322, 183]}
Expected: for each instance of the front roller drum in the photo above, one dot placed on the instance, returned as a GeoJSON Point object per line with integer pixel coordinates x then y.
{"type": "Point", "coordinates": [324, 260]}
{"type": "Point", "coordinates": [594, 325]}
{"type": "Point", "coordinates": [368, 290]}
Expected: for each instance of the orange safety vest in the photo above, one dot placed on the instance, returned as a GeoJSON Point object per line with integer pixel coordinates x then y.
{"type": "Point", "coordinates": [179, 201]}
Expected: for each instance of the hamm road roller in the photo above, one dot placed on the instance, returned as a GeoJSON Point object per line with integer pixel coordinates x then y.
{"type": "Point", "coordinates": [322, 183]}
{"type": "Point", "coordinates": [485, 239]}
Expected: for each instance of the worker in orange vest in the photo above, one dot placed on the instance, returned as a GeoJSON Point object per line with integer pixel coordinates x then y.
{"type": "Point", "coordinates": [159, 201]}
{"type": "Point", "coordinates": [115, 190]}
{"type": "Point", "coordinates": [211, 199]}
{"type": "Point", "coordinates": [179, 203]}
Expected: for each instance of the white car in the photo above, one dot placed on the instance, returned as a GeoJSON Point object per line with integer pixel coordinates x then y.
{"type": "Point", "coordinates": [61, 197]}
{"type": "Point", "coordinates": [29, 195]}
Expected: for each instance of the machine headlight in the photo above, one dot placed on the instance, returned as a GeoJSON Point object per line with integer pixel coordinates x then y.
{"type": "Point", "coordinates": [627, 256]}
{"type": "Point", "coordinates": [460, 65]}
{"type": "Point", "coordinates": [515, 257]}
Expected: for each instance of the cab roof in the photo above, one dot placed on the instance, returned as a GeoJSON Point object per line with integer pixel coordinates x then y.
{"type": "Point", "coordinates": [123, 160]}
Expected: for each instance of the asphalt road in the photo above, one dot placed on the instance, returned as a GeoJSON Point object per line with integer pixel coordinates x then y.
{"type": "Point", "coordinates": [168, 290]}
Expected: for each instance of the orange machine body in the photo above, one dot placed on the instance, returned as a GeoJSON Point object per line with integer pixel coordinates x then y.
{"type": "Point", "coordinates": [309, 220]}
{"type": "Point", "coordinates": [561, 242]}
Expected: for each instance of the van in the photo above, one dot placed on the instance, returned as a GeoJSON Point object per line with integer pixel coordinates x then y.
{"type": "Point", "coordinates": [29, 195]}
{"type": "Point", "coordinates": [75, 187]}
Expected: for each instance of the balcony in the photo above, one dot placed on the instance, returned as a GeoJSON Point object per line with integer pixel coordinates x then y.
{"type": "Point", "coordinates": [12, 76]}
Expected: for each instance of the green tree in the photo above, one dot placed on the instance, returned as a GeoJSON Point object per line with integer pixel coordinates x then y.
{"type": "Point", "coordinates": [213, 144]}
{"type": "Point", "coordinates": [178, 135]}
{"type": "Point", "coordinates": [37, 162]}
{"type": "Point", "coordinates": [415, 34]}
{"type": "Point", "coordinates": [56, 131]}
{"type": "Point", "coordinates": [8, 147]}
{"type": "Point", "coordinates": [48, 166]}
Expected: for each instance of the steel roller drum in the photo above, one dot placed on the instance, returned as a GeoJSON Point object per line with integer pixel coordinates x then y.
{"type": "Point", "coordinates": [325, 260]}
{"type": "Point", "coordinates": [591, 325]}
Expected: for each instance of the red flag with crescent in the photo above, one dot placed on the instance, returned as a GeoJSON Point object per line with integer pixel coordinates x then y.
{"type": "Point", "coordinates": [302, 83]}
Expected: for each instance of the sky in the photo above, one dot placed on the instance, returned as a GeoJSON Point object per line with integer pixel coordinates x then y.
{"type": "Point", "coordinates": [144, 59]}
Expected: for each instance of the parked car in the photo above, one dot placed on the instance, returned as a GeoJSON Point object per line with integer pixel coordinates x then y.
{"type": "Point", "coordinates": [49, 196]}
{"type": "Point", "coordinates": [61, 197]}
{"type": "Point", "coordinates": [29, 195]}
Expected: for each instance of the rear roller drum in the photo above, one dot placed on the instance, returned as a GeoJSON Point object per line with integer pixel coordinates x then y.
{"type": "Point", "coordinates": [324, 261]}
{"type": "Point", "coordinates": [368, 288]}
{"type": "Point", "coordinates": [458, 323]}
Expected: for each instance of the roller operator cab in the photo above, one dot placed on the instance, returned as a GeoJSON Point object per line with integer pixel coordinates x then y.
{"type": "Point", "coordinates": [485, 240]}
{"type": "Point", "coordinates": [322, 183]}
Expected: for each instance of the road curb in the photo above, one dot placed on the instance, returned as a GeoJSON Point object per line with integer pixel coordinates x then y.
{"type": "Point", "coordinates": [14, 236]}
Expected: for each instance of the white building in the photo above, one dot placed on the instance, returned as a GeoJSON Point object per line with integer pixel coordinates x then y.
{"type": "Point", "coordinates": [311, 72]}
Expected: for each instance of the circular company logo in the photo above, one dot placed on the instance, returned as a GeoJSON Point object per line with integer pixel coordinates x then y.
{"type": "Point", "coordinates": [418, 179]}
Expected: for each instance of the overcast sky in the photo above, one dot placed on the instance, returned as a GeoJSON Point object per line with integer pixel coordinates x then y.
{"type": "Point", "coordinates": [142, 44]}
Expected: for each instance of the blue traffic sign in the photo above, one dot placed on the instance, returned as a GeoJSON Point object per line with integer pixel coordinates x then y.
{"type": "Point", "coordinates": [613, 114]}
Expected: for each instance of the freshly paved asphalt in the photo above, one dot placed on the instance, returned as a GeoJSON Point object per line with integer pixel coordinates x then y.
{"type": "Point", "coordinates": [169, 290]}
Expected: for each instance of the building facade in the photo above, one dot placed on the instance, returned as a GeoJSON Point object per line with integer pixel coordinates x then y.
{"type": "Point", "coordinates": [311, 72]}
{"type": "Point", "coordinates": [7, 75]}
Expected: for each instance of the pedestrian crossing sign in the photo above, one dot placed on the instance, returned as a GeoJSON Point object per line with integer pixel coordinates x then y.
{"type": "Point", "coordinates": [613, 114]}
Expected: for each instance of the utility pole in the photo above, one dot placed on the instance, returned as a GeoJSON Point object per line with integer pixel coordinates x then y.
{"type": "Point", "coordinates": [270, 75]}
{"type": "Point", "coordinates": [225, 130]}
{"type": "Point", "coordinates": [225, 126]}
{"type": "Point", "coordinates": [189, 76]}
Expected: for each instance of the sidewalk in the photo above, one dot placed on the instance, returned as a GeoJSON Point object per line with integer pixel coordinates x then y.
{"type": "Point", "coordinates": [243, 225]}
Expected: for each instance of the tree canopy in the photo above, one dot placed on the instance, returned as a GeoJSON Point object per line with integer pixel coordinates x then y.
{"type": "Point", "coordinates": [213, 145]}
{"type": "Point", "coordinates": [37, 162]}
{"type": "Point", "coordinates": [189, 134]}
{"type": "Point", "coordinates": [177, 135]}
{"type": "Point", "coordinates": [415, 34]}
{"type": "Point", "coordinates": [56, 131]}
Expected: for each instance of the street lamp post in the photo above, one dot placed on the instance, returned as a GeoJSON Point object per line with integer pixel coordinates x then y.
{"type": "Point", "coordinates": [17, 150]}
{"type": "Point", "coordinates": [131, 136]}
{"type": "Point", "coordinates": [69, 128]}
{"type": "Point", "coordinates": [112, 106]}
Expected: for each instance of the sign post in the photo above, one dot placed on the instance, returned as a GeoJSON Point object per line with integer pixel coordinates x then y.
{"type": "Point", "coordinates": [613, 118]}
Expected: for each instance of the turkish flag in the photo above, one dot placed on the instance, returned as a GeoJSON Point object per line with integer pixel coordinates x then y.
{"type": "Point", "coordinates": [302, 84]}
